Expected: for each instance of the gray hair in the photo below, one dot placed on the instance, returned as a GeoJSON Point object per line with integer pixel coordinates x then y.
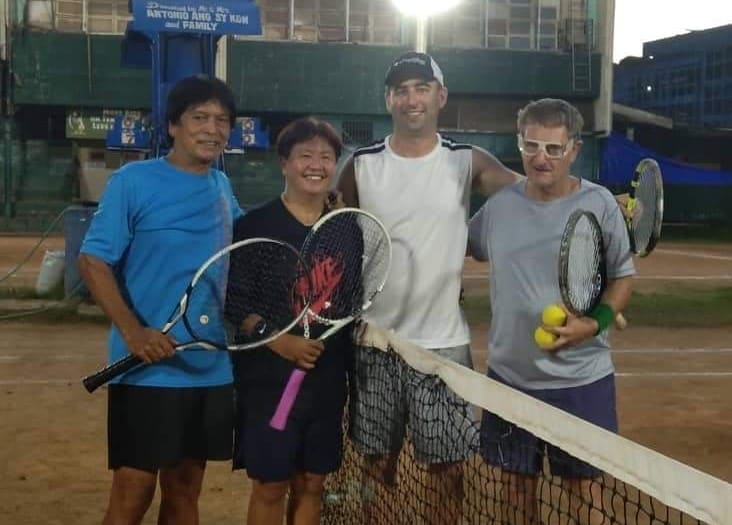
{"type": "Point", "coordinates": [551, 112]}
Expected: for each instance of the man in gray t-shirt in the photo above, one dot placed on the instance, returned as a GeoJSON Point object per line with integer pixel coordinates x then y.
{"type": "Point", "coordinates": [519, 231]}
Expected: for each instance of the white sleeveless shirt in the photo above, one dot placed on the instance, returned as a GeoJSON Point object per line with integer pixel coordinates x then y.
{"type": "Point", "coordinates": [424, 203]}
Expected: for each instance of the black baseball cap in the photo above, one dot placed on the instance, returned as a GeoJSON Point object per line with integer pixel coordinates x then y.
{"type": "Point", "coordinates": [413, 65]}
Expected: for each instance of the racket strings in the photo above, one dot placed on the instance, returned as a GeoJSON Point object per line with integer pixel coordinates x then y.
{"type": "Point", "coordinates": [203, 316]}
{"type": "Point", "coordinates": [349, 259]}
{"type": "Point", "coordinates": [584, 276]}
{"type": "Point", "coordinates": [376, 257]}
{"type": "Point", "coordinates": [266, 281]}
{"type": "Point", "coordinates": [644, 215]}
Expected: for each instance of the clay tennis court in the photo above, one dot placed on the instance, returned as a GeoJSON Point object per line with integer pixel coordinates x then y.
{"type": "Point", "coordinates": [674, 387]}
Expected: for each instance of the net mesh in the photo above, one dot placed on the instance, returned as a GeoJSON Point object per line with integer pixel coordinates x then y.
{"type": "Point", "coordinates": [266, 279]}
{"type": "Point", "coordinates": [625, 484]}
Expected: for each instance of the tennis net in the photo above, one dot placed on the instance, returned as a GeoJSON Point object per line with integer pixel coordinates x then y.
{"type": "Point", "coordinates": [625, 483]}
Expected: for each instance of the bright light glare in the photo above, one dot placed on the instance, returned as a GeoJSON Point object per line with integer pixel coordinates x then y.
{"type": "Point", "coordinates": [424, 8]}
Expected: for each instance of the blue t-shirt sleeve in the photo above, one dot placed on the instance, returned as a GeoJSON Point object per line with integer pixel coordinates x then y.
{"type": "Point", "coordinates": [111, 230]}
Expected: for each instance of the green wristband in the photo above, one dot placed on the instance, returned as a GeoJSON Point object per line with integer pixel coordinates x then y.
{"type": "Point", "coordinates": [604, 315]}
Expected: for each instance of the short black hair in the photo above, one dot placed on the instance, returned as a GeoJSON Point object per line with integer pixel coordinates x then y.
{"type": "Point", "coordinates": [304, 129]}
{"type": "Point", "coordinates": [196, 90]}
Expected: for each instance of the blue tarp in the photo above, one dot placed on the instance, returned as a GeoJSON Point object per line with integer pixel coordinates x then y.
{"type": "Point", "coordinates": [621, 156]}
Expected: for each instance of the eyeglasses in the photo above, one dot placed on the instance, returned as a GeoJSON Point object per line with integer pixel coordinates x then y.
{"type": "Point", "coordinates": [552, 150]}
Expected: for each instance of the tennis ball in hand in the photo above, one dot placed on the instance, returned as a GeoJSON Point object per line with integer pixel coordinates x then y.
{"type": "Point", "coordinates": [553, 315]}
{"type": "Point", "coordinates": [544, 338]}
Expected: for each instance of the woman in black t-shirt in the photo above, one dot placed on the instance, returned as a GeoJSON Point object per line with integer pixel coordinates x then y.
{"type": "Point", "coordinates": [299, 457]}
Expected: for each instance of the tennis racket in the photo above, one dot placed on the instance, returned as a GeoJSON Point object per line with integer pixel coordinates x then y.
{"type": "Point", "coordinates": [261, 278]}
{"type": "Point", "coordinates": [645, 204]}
{"type": "Point", "coordinates": [582, 269]}
{"type": "Point", "coordinates": [645, 207]}
{"type": "Point", "coordinates": [348, 252]}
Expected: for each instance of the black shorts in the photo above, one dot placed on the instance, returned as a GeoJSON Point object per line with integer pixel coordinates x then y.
{"type": "Point", "coordinates": [151, 428]}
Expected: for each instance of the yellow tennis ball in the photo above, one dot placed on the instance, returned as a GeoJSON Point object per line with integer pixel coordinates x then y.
{"type": "Point", "coordinates": [544, 338]}
{"type": "Point", "coordinates": [553, 315]}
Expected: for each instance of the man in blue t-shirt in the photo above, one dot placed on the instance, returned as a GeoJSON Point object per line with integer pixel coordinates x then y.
{"type": "Point", "coordinates": [157, 222]}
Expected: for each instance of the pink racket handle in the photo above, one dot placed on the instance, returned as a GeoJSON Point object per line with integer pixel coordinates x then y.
{"type": "Point", "coordinates": [279, 420]}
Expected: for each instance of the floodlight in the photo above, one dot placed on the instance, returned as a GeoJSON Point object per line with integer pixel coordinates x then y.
{"type": "Point", "coordinates": [422, 10]}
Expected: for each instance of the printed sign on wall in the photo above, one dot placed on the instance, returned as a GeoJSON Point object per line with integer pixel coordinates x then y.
{"type": "Point", "coordinates": [221, 17]}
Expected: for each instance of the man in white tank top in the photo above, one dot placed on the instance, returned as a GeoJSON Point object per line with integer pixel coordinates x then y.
{"type": "Point", "coordinates": [418, 184]}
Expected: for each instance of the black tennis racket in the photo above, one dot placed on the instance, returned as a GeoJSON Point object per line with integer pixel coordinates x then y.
{"type": "Point", "coordinates": [645, 213]}
{"type": "Point", "coordinates": [582, 269]}
{"type": "Point", "coordinates": [256, 278]}
{"type": "Point", "coordinates": [348, 252]}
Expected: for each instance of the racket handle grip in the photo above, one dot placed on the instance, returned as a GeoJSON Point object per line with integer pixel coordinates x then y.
{"type": "Point", "coordinates": [279, 419]}
{"type": "Point", "coordinates": [109, 372]}
{"type": "Point", "coordinates": [620, 321]}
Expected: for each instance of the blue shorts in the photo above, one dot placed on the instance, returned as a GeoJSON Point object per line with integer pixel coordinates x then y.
{"type": "Point", "coordinates": [505, 445]}
{"type": "Point", "coordinates": [311, 444]}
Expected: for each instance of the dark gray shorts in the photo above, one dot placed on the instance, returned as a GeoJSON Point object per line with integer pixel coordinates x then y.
{"type": "Point", "coordinates": [389, 400]}
{"type": "Point", "coordinates": [505, 445]}
{"type": "Point", "coordinates": [151, 428]}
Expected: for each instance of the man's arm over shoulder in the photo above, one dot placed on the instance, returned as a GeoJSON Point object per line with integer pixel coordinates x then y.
{"type": "Point", "coordinates": [478, 234]}
{"type": "Point", "coordinates": [488, 173]}
{"type": "Point", "coordinates": [347, 182]}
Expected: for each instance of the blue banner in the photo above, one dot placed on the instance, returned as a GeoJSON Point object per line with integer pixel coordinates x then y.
{"type": "Point", "coordinates": [622, 155]}
{"type": "Point", "coordinates": [219, 17]}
